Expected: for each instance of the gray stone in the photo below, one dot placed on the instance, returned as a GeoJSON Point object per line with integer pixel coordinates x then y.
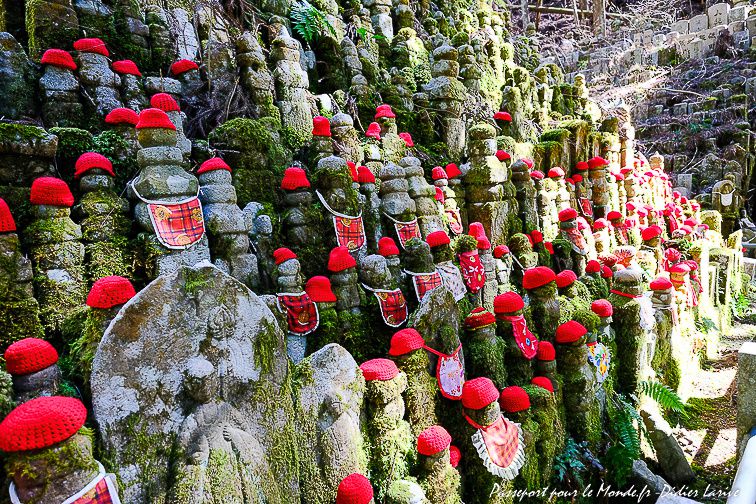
{"type": "Point", "coordinates": [405, 492]}
{"type": "Point", "coordinates": [671, 457]}
{"type": "Point", "coordinates": [17, 78]}
{"type": "Point", "coordinates": [746, 383]}
{"type": "Point", "coordinates": [644, 476]}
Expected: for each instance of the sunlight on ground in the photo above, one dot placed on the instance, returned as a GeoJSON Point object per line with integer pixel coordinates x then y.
{"type": "Point", "coordinates": [712, 384]}
{"type": "Point", "coordinates": [723, 449]}
{"type": "Point", "coordinates": [690, 441]}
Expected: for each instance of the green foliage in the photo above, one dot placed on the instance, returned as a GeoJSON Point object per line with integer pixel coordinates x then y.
{"type": "Point", "coordinates": [309, 22]}
{"type": "Point", "coordinates": [664, 396]}
{"type": "Point", "coordinates": [705, 325]}
{"type": "Point", "coordinates": [625, 439]}
{"type": "Point", "coordinates": [570, 466]}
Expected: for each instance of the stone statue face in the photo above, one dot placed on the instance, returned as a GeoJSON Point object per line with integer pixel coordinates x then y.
{"type": "Point", "coordinates": [200, 380]}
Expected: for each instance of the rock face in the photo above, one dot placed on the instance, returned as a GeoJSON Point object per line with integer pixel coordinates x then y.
{"type": "Point", "coordinates": [16, 79]}
{"type": "Point", "coordinates": [219, 399]}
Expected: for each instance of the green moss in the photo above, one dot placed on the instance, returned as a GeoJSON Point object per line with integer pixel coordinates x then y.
{"type": "Point", "coordinates": [265, 347]}
{"type": "Point", "coordinates": [194, 281]}
{"type": "Point", "coordinates": [121, 153]}
{"type": "Point", "coordinates": [49, 25]}
{"type": "Point", "coordinates": [19, 320]}
{"type": "Point", "coordinates": [6, 394]}
{"type": "Point", "coordinates": [485, 358]}
{"type": "Point", "coordinates": [83, 349]}
{"type": "Point", "coordinates": [17, 132]}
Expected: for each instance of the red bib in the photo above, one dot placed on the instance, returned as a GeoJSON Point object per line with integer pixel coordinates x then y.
{"type": "Point", "coordinates": [424, 283]}
{"type": "Point", "coordinates": [576, 239]}
{"type": "Point", "coordinates": [455, 220]}
{"type": "Point", "coordinates": [301, 312]}
{"type": "Point", "coordinates": [405, 231]}
{"type": "Point", "coordinates": [350, 232]}
{"type": "Point", "coordinates": [526, 341]}
{"type": "Point", "coordinates": [500, 446]}
{"type": "Point", "coordinates": [472, 270]}
{"type": "Point", "coordinates": [393, 306]}
{"type": "Point", "coordinates": [450, 373]}
{"type": "Point", "coordinates": [177, 225]}
{"type": "Point", "coordinates": [586, 207]}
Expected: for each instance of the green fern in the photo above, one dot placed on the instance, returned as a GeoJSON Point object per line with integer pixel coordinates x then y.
{"type": "Point", "coordinates": [664, 396]}
{"type": "Point", "coordinates": [625, 439]}
{"type": "Point", "coordinates": [310, 22]}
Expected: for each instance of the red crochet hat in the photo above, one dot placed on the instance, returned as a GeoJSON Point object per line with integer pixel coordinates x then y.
{"type": "Point", "coordinates": [354, 489]}
{"type": "Point", "coordinates": [440, 195]}
{"type": "Point", "coordinates": [536, 175]}
{"type": "Point", "coordinates": [407, 139]}
{"type": "Point", "coordinates": [374, 131]}
{"type": "Point", "coordinates": [503, 116]}
{"type": "Point", "coordinates": [502, 155]}
{"type": "Point", "coordinates": [433, 440]}
{"type": "Point", "coordinates": [90, 161]}
{"type": "Point", "coordinates": [569, 332]}
{"type": "Point", "coordinates": [500, 251]}
{"type": "Point", "coordinates": [660, 284]}
{"type": "Point", "coordinates": [508, 302]}
{"type": "Point", "coordinates": [602, 308]}
{"type": "Point", "coordinates": [565, 278]}
{"type": "Point", "coordinates": [581, 166]}
{"type": "Point", "coordinates": [476, 230]}
{"type": "Point", "coordinates": [405, 341]}
{"type": "Point", "coordinates": [651, 232]}
{"type": "Point", "coordinates": [283, 254]}
{"type": "Point", "coordinates": [7, 224]}
{"type": "Point", "coordinates": [618, 177]}
{"type": "Point", "coordinates": [122, 115]}
{"type": "Point", "coordinates": [182, 66]}
{"type": "Point", "coordinates": [164, 102]}
{"type": "Point", "coordinates": [679, 268]}
{"type": "Point", "coordinates": [537, 277]}
{"type": "Point", "coordinates": [91, 45]}
{"type": "Point", "coordinates": [600, 224]}
{"type": "Point", "coordinates": [478, 393]}
{"type": "Point", "coordinates": [613, 215]}
{"type": "Point", "coordinates": [29, 356]}
{"type": "Point", "coordinates": [387, 247]}
{"type": "Point", "coordinates": [339, 260]}
{"type": "Point", "coordinates": [213, 164]}
{"type": "Point", "coordinates": [570, 181]}
{"type": "Point", "coordinates": [126, 67]}
{"type": "Point", "coordinates": [593, 266]}
{"type": "Point", "coordinates": [51, 191]}
{"type": "Point", "coordinates": [543, 382]}
{"type": "Point", "coordinates": [294, 178]}
{"type": "Point", "coordinates": [154, 118]}
{"type": "Point", "coordinates": [555, 172]}
{"type": "Point", "coordinates": [577, 178]}
{"type": "Point", "coordinates": [438, 173]}
{"type": "Point", "coordinates": [484, 243]}
{"type": "Point", "coordinates": [353, 171]}
{"type": "Point", "coordinates": [384, 111]}
{"type": "Point", "coordinates": [528, 162]}
{"type": "Point", "coordinates": [606, 272]}
{"type": "Point", "coordinates": [536, 237]}
{"type": "Point", "coordinates": [546, 351]}
{"type": "Point", "coordinates": [452, 170]}
{"type": "Point", "coordinates": [379, 369]}
{"type": "Point", "coordinates": [365, 176]}
{"type": "Point", "coordinates": [437, 238]}
{"type": "Point", "coordinates": [319, 290]}
{"type": "Point", "coordinates": [479, 318]}
{"type": "Point", "coordinates": [454, 456]}
{"type": "Point", "coordinates": [110, 291]}
{"type": "Point", "coordinates": [567, 214]}
{"type": "Point", "coordinates": [514, 399]}
{"type": "Point", "coordinates": [321, 126]}
{"type": "Point", "coordinates": [58, 58]}
{"type": "Point", "coordinates": [597, 162]}
{"type": "Point", "coordinates": [41, 423]}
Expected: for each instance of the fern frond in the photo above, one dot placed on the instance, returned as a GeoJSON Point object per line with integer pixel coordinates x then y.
{"type": "Point", "coordinates": [664, 396]}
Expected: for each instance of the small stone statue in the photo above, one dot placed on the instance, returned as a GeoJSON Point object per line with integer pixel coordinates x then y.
{"type": "Point", "coordinates": [602, 238]}
{"type": "Point", "coordinates": [318, 288]}
{"type": "Point", "coordinates": [443, 257]}
{"type": "Point", "coordinates": [301, 311]}
{"type": "Point", "coordinates": [97, 79]}
{"type": "Point", "coordinates": [420, 269]}
{"type": "Point", "coordinates": [484, 349]}
{"type": "Point", "coordinates": [525, 195]}
{"type": "Point", "coordinates": [568, 227]}
{"type": "Point", "coordinates": [523, 256]}
{"type": "Point", "coordinates": [377, 279]}
{"type": "Point", "coordinates": [132, 90]}
{"type": "Point", "coordinates": [428, 216]}
{"type": "Point", "coordinates": [521, 345]}
{"type": "Point", "coordinates": [503, 259]}
{"type": "Point", "coordinates": [396, 204]}
{"type": "Point", "coordinates": [166, 103]}
{"type": "Point", "coordinates": [372, 214]}
{"type": "Point", "coordinates": [592, 280]}
{"type": "Point", "coordinates": [388, 249]}
{"type": "Point", "coordinates": [650, 255]}
{"type": "Point", "coordinates": [440, 481]}
{"type": "Point", "coordinates": [392, 146]}
{"type": "Point", "coordinates": [544, 310]}
{"type": "Point", "coordinates": [33, 364]}
{"type": "Point", "coordinates": [60, 90]}
{"type": "Point", "coordinates": [346, 143]}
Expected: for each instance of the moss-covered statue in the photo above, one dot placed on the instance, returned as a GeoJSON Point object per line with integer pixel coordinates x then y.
{"type": "Point", "coordinates": [392, 145]}
{"type": "Point", "coordinates": [130, 85]}
{"type": "Point", "coordinates": [301, 312]}
{"type": "Point", "coordinates": [303, 226]}
{"type": "Point", "coordinates": [592, 280]}
{"type": "Point", "coordinates": [397, 206]}
{"type": "Point", "coordinates": [440, 481]}
{"type": "Point", "coordinates": [543, 313]}
{"type": "Point", "coordinates": [573, 291]}
{"type": "Point", "coordinates": [597, 167]}
{"type": "Point", "coordinates": [515, 403]}
{"type": "Point", "coordinates": [448, 199]}
{"type": "Point", "coordinates": [33, 365]}
{"type": "Point", "coordinates": [429, 217]}
{"type": "Point", "coordinates": [650, 254]}
{"type": "Point", "coordinates": [422, 275]}
{"type": "Point", "coordinates": [318, 288]}
{"type": "Point", "coordinates": [521, 345]}
{"type": "Point", "coordinates": [503, 260]}
{"type": "Point", "coordinates": [443, 257]}
{"type": "Point", "coordinates": [49, 454]}
{"type": "Point", "coordinates": [545, 412]}
{"type": "Point", "coordinates": [523, 256]}
{"type": "Point", "coordinates": [405, 491]}
{"type": "Point", "coordinates": [491, 285]}
{"type": "Point", "coordinates": [60, 90]}
{"type": "Point", "coordinates": [97, 79]}
{"type": "Point", "coordinates": [471, 267]}
{"type": "Point", "coordinates": [346, 144]}
{"type": "Point", "coordinates": [568, 228]}
{"type": "Point", "coordinates": [355, 489]}
{"type": "Point", "coordinates": [321, 145]}
{"type": "Point", "coordinates": [484, 349]}
{"type": "Point", "coordinates": [393, 452]}
{"type": "Point", "coordinates": [602, 238]}
{"type": "Point", "coordinates": [526, 195]}
{"type": "Point", "coordinates": [387, 301]}
{"type": "Point", "coordinates": [388, 249]}
{"type": "Point", "coordinates": [667, 361]}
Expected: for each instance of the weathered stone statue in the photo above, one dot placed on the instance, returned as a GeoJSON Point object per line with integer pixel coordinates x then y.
{"type": "Point", "coordinates": [301, 311]}
{"type": "Point", "coordinates": [355, 488]}
{"type": "Point", "coordinates": [544, 311]}
{"type": "Point", "coordinates": [255, 76]}
{"type": "Point", "coordinates": [503, 260]}
{"type": "Point", "coordinates": [388, 249]}
{"type": "Point", "coordinates": [525, 195]}
{"type": "Point", "coordinates": [437, 477]}
{"type": "Point", "coordinates": [397, 206]}
{"type": "Point", "coordinates": [650, 254]}
{"type": "Point", "coordinates": [60, 90]}
{"type": "Point", "coordinates": [346, 143]}
{"type": "Point", "coordinates": [169, 105]}
{"type": "Point", "coordinates": [443, 257]}
{"type": "Point", "coordinates": [33, 364]}
{"type": "Point", "coordinates": [668, 359]}
{"type": "Point", "coordinates": [597, 167]}
{"type": "Point", "coordinates": [568, 229]}
{"type": "Point", "coordinates": [428, 217]}
{"type": "Point", "coordinates": [96, 77]}
{"type": "Point", "coordinates": [726, 199]}
{"type": "Point", "coordinates": [393, 147]}
{"type": "Point", "coordinates": [376, 278]}
{"type": "Point", "coordinates": [372, 207]}
{"type": "Point", "coordinates": [422, 275]}
{"type": "Point", "coordinates": [521, 345]}
{"type": "Point", "coordinates": [291, 83]}
{"type": "Point", "coordinates": [447, 94]}
{"type": "Point", "coordinates": [335, 191]}
{"type": "Point", "coordinates": [484, 349]}
{"type": "Point", "coordinates": [523, 256]}
{"type": "Point", "coordinates": [131, 88]}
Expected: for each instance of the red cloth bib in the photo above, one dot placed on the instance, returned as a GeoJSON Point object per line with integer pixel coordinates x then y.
{"type": "Point", "coordinates": [350, 232]}
{"type": "Point", "coordinates": [455, 220]}
{"type": "Point", "coordinates": [393, 306]}
{"type": "Point", "coordinates": [406, 231]}
{"type": "Point", "coordinates": [472, 270]}
{"type": "Point", "coordinates": [177, 225]}
{"type": "Point", "coordinates": [450, 373]}
{"type": "Point", "coordinates": [586, 207]}
{"type": "Point", "coordinates": [526, 340]}
{"type": "Point", "coordinates": [500, 446]}
{"type": "Point", "coordinates": [424, 283]}
{"type": "Point", "coordinates": [301, 312]}
{"type": "Point", "coordinates": [576, 239]}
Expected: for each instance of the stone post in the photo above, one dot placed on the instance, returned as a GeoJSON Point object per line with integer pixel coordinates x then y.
{"type": "Point", "coordinates": [60, 90]}
{"type": "Point", "coordinates": [746, 386]}
{"type": "Point", "coordinates": [97, 79]}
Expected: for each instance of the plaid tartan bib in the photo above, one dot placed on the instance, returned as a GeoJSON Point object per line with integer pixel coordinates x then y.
{"type": "Point", "coordinates": [101, 490]}
{"type": "Point", "coordinates": [424, 283]}
{"type": "Point", "coordinates": [472, 270]}
{"type": "Point", "coordinates": [500, 446]}
{"type": "Point", "coordinates": [178, 225]}
{"type": "Point", "coordinates": [393, 306]}
{"type": "Point", "coordinates": [301, 312]}
{"type": "Point", "coordinates": [455, 220]}
{"type": "Point", "coordinates": [405, 231]}
{"type": "Point", "coordinates": [350, 231]}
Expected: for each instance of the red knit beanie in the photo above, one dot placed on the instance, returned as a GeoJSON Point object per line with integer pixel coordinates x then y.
{"type": "Point", "coordinates": [354, 489]}
{"type": "Point", "coordinates": [537, 277]}
{"type": "Point", "coordinates": [41, 423]}
{"type": "Point", "coordinates": [651, 232]}
{"type": "Point", "coordinates": [606, 272]}
{"type": "Point", "coordinates": [484, 243]}
{"type": "Point", "coordinates": [529, 163]}
{"type": "Point", "coordinates": [570, 332]}
{"type": "Point", "coordinates": [437, 239]}
{"type": "Point", "coordinates": [613, 215]}
{"type": "Point", "coordinates": [439, 173]}
{"type": "Point", "coordinates": [476, 230]}
{"type": "Point", "coordinates": [379, 369]}
{"type": "Point", "coordinates": [502, 155]}
{"type": "Point", "coordinates": [405, 341]}
{"type": "Point", "coordinates": [384, 111]}
{"type": "Point", "coordinates": [536, 175]}
{"type": "Point", "coordinates": [597, 162]}
{"type": "Point", "coordinates": [283, 254]}
{"type": "Point", "coordinates": [503, 116]}
{"type": "Point", "coordinates": [600, 224]}
{"type": "Point", "coordinates": [374, 131]}
{"type": "Point", "coordinates": [546, 351]}
{"type": "Point", "coordinates": [479, 318]}
{"type": "Point", "coordinates": [508, 302]}
{"type": "Point", "coordinates": [565, 278]}
{"type": "Point", "coordinates": [433, 440]}
{"type": "Point", "coordinates": [126, 67]}
{"type": "Point", "coordinates": [321, 126]}
{"type": "Point", "coordinates": [29, 356]}
{"type": "Point", "coordinates": [164, 102]}
{"type": "Point", "coordinates": [454, 456]}
{"type": "Point", "coordinates": [58, 58]}
{"type": "Point", "coordinates": [319, 290]}
{"type": "Point", "coordinates": [182, 66]}
{"type": "Point", "coordinates": [514, 399]}
{"type": "Point", "coordinates": [339, 259]}
{"type": "Point", "coordinates": [602, 308]}
{"type": "Point", "coordinates": [567, 214]}
{"type": "Point", "coordinates": [51, 191]}
{"type": "Point", "coordinates": [452, 170]}
{"type": "Point", "coordinates": [407, 140]}
{"type": "Point", "coordinates": [577, 178]}
{"type": "Point", "coordinates": [543, 382]}
{"type": "Point", "coordinates": [365, 176]}
{"type": "Point", "coordinates": [7, 224]}
{"type": "Point", "coordinates": [581, 166]}
{"type": "Point", "coordinates": [110, 291]}
{"type": "Point", "coordinates": [294, 178]}
{"type": "Point", "coordinates": [660, 284]}
{"type": "Point", "coordinates": [555, 172]}
{"type": "Point", "coordinates": [387, 247]}
{"type": "Point", "coordinates": [478, 393]}
{"type": "Point", "coordinates": [213, 164]}
{"type": "Point", "coordinates": [90, 161]}
{"type": "Point", "coordinates": [500, 251]}
{"type": "Point", "coordinates": [154, 118]}
{"type": "Point", "coordinates": [537, 236]}
{"type": "Point", "coordinates": [593, 266]}
{"type": "Point", "coordinates": [91, 45]}
{"type": "Point", "coordinates": [122, 115]}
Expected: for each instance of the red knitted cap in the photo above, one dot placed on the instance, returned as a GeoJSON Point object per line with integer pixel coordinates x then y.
{"type": "Point", "coordinates": [182, 66]}
{"type": "Point", "coordinates": [514, 399]}
{"type": "Point", "coordinates": [91, 45]}
{"type": "Point", "coordinates": [407, 139]}
{"type": "Point", "coordinates": [438, 238]}
{"type": "Point", "coordinates": [321, 126]}
{"type": "Point", "coordinates": [606, 272]}
{"type": "Point", "coordinates": [339, 259]}
{"type": "Point", "coordinates": [51, 191]}
{"type": "Point", "coordinates": [528, 162]}
{"type": "Point", "coordinates": [90, 161]}
{"type": "Point", "coordinates": [438, 173]}
{"type": "Point", "coordinates": [502, 155]}
{"type": "Point", "coordinates": [692, 264]}
{"type": "Point", "coordinates": [122, 115]}
{"type": "Point", "coordinates": [387, 247]}
{"type": "Point", "coordinates": [440, 197]}
{"type": "Point", "coordinates": [379, 369]}
{"type": "Point", "coordinates": [597, 162]}
{"type": "Point", "coordinates": [555, 172]}
{"type": "Point", "coordinates": [593, 266]}
{"type": "Point", "coordinates": [651, 232]}
{"type": "Point", "coordinates": [508, 302]}
{"type": "Point", "coordinates": [581, 166]}
{"type": "Point", "coordinates": [567, 214]}
{"type": "Point", "coordinates": [549, 247]}
{"type": "Point", "coordinates": [484, 243]}
{"type": "Point", "coordinates": [613, 215]}
{"type": "Point", "coordinates": [374, 131]}
{"type": "Point", "coordinates": [565, 278]}
{"type": "Point", "coordinates": [537, 277]}
{"type": "Point", "coordinates": [294, 178]}
{"type": "Point", "coordinates": [164, 102]}
{"type": "Point", "coordinates": [319, 290]}
{"type": "Point", "coordinates": [154, 118]}
{"type": "Point", "coordinates": [354, 489]}
{"type": "Point", "coordinates": [110, 291]}
{"type": "Point", "coordinates": [546, 351]}
{"type": "Point", "coordinates": [405, 341]}
{"type": "Point", "coordinates": [58, 58]}
{"type": "Point", "coordinates": [479, 318]}
{"type": "Point", "coordinates": [577, 178]}
{"type": "Point", "coordinates": [452, 170]}
{"type": "Point", "coordinates": [537, 175]}
{"type": "Point", "coordinates": [213, 164]}
{"type": "Point", "coordinates": [600, 224]}
{"type": "Point", "coordinates": [478, 393]}
{"type": "Point", "coordinates": [500, 251]}
{"type": "Point", "coordinates": [570, 332]}
{"type": "Point", "coordinates": [433, 440]}
{"type": "Point", "coordinates": [384, 111]}
{"type": "Point", "coordinates": [283, 254]}
{"type": "Point", "coordinates": [29, 356]}
{"type": "Point", "coordinates": [660, 284]}
{"type": "Point", "coordinates": [543, 382]}
{"type": "Point", "coordinates": [454, 456]}
{"type": "Point", "coordinates": [41, 423]}
{"type": "Point", "coordinates": [570, 181]}
{"type": "Point", "coordinates": [679, 268]}
{"type": "Point", "coordinates": [618, 177]}
{"type": "Point", "coordinates": [602, 308]}
{"type": "Point", "coordinates": [536, 237]}
{"type": "Point", "coordinates": [126, 67]}
{"type": "Point", "coordinates": [503, 116]}
{"type": "Point", "coordinates": [365, 176]}
{"type": "Point", "coordinates": [476, 230]}
{"type": "Point", "coordinates": [7, 224]}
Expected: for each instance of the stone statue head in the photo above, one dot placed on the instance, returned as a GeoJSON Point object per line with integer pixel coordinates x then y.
{"type": "Point", "coordinates": [375, 273]}
{"type": "Point", "coordinates": [201, 382]}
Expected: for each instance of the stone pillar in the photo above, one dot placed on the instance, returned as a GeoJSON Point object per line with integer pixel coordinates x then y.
{"type": "Point", "coordinates": [60, 90]}
{"type": "Point", "coordinates": [50, 23]}
{"type": "Point", "coordinates": [447, 94]}
{"type": "Point", "coordinates": [96, 77]}
{"type": "Point", "coordinates": [746, 384]}
{"type": "Point", "coordinates": [291, 83]}
{"type": "Point", "coordinates": [131, 88]}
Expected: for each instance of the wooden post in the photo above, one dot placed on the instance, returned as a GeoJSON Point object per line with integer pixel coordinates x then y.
{"type": "Point", "coordinates": [538, 15]}
{"type": "Point", "coordinates": [599, 17]}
